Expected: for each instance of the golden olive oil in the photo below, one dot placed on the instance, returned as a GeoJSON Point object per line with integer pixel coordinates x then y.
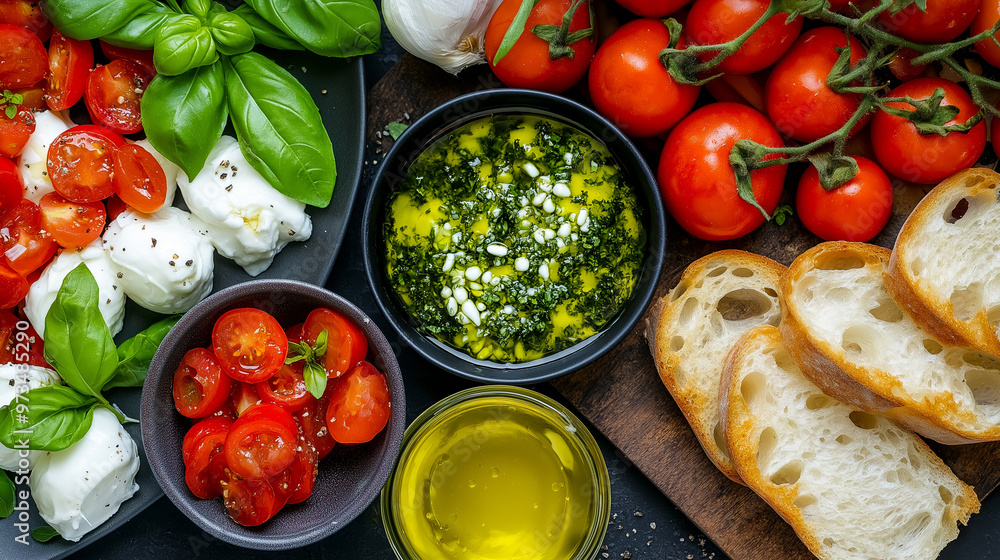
{"type": "Point", "coordinates": [496, 478]}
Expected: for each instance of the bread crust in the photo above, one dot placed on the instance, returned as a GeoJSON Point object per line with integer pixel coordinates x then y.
{"type": "Point", "coordinates": [663, 325]}
{"type": "Point", "coordinates": [931, 310]}
{"type": "Point", "coordinates": [868, 389]}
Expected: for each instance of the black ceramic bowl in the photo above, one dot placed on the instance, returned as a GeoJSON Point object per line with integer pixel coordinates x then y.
{"type": "Point", "coordinates": [452, 115]}
{"type": "Point", "coordinates": [350, 477]}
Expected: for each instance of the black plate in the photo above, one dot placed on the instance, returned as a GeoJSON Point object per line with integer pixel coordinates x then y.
{"type": "Point", "coordinates": [337, 85]}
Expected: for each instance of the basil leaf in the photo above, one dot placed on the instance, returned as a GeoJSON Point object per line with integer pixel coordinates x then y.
{"type": "Point", "coordinates": [78, 342]}
{"type": "Point", "coordinates": [44, 533]}
{"type": "Point", "coordinates": [140, 33]}
{"type": "Point", "coordinates": [326, 27]}
{"type": "Point", "coordinates": [265, 33]}
{"type": "Point", "coordinates": [48, 418]}
{"type": "Point", "coordinates": [315, 377]}
{"type": "Point", "coordinates": [183, 116]}
{"type": "Point", "coordinates": [232, 34]}
{"type": "Point", "coordinates": [92, 19]}
{"type": "Point", "coordinates": [7, 498]}
{"type": "Point", "coordinates": [198, 8]}
{"type": "Point", "coordinates": [135, 354]}
{"type": "Point", "coordinates": [279, 129]}
{"type": "Point", "coordinates": [182, 44]}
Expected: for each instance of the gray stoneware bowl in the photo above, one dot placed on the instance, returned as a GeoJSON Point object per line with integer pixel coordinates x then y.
{"type": "Point", "coordinates": [452, 115]}
{"type": "Point", "coordinates": [350, 477]}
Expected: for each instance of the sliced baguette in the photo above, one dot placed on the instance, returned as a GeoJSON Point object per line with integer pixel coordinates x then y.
{"type": "Point", "coordinates": [718, 298]}
{"type": "Point", "coordinates": [945, 269]}
{"type": "Point", "coordinates": [860, 347]}
{"type": "Point", "coordinates": [853, 486]}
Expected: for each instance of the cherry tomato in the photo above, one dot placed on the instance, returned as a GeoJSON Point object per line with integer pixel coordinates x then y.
{"type": "Point", "coordinates": [27, 14]}
{"type": "Point", "coordinates": [630, 86]}
{"type": "Point", "coordinates": [15, 133]}
{"type": "Point", "coordinates": [799, 102]}
{"type": "Point", "coordinates": [115, 206]}
{"type": "Point", "coordinates": [697, 181]}
{"type": "Point", "coordinates": [312, 419]}
{"type": "Point", "coordinates": [242, 397]}
{"type": "Point", "coordinates": [23, 60]}
{"type": "Point", "coordinates": [927, 158]}
{"type": "Point", "coordinates": [902, 65]}
{"type": "Point", "coordinates": [250, 344]}
{"type": "Point", "coordinates": [286, 388]}
{"type": "Point", "coordinates": [854, 211]}
{"type": "Point", "coordinates": [139, 179]}
{"type": "Point", "coordinates": [653, 8]}
{"type": "Point", "coordinates": [81, 164]}
{"type": "Point", "coordinates": [986, 18]}
{"type": "Point", "coordinates": [72, 224]}
{"type": "Point", "coordinates": [20, 346]}
{"type": "Point", "coordinates": [284, 484]}
{"type": "Point", "coordinates": [26, 244]}
{"type": "Point", "coordinates": [13, 286]}
{"type": "Point", "coordinates": [294, 333]}
{"type": "Point", "coordinates": [11, 183]}
{"type": "Point", "coordinates": [204, 460]}
{"type": "Point", "coordinates": [529, 63]}
{"type": "Point", "coordinates": [114, 92]}
{"type": "Point", "coordinates": [70, 62]}
{"type": "Point", "coordinates": [140, 57]}
{"type": "Point", "coordinates": [200, 430]}
{"type": "Point", "coordinates": [711, 22]}
{"type": "Point", "coordinates": [200, 387]}
{"type": "Point", "coordinates": [359, 405]}
{"type": "Point", "coordinates": [942, 21]}
{"type": "Point", "coordinates": [346, 345]}
{"type": "Point", "coordinates": [261, 442]}
{"type": "Point", "coordinates": [249, 502]}
{"type": "Point", "coordinates": [33, 97]}
{"type": "Point", "coordinates": [304, 469]}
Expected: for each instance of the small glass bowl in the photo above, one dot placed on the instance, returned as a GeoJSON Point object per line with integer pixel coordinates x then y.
{"type": "Point", "coordinates": [497, 473]}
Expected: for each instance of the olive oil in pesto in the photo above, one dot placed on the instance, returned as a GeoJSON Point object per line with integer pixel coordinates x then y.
{"type": "Point", "coordinates": [514, 237]}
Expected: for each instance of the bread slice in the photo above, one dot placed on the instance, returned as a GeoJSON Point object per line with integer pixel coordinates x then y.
{"type": "Point", "coordinates": [718, 298]}
{"type": "Point", "coordinates": [945, 268]}
{"type": "Point", "coordinates": [853, 486]}
{"type": "Point", "coordinates": [860, 347]}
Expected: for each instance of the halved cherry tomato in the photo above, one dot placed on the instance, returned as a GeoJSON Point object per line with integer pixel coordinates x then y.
{"type": "Point", "coordinates": [204, 460]}
{"type": "Point", "coordinates": [346, 345]}
{"type": "Point", "coordinates": [140, 57]}
{"type": "Point", "coordinates": [33, 97]}
{"type": "Point", "coordinates": [250, 344]}
{"type": "Point", "coordinates": [70, 63]}
{"type": "Point", "coordinates": [711, 22]}
{"type": "Point", "coordinates": [200, 386]}
{"type": "Point", "coordinates": [26, 244]}
{"type": "Point", "coordinates": [115, 206]}
{"type": "Point", "coordinates": [312, 419]}
{"type": "Point", "coordinates": [260, 443]}
{"type": "Point", "coordinates": [15, 133]}
{"type": "Point", "coordinates": [19, 346]}
{"type": "Point", "coordinates": [359, 405]}
{"type": "Point", "coordinates": [11, 183]}
{"type": "Point", "coordinates": [81, 164]}
{"type": "Point", "coordinates": [114, 92]}
{"type": "Point", "coordinates": [286, 388]}
{"type": "Point", "coordinates": [23, 60]}
{"type": "Point", "coordinates": [294, 333]}
{"type": "Point", "coordinates": [202, 429]}
{"type": "Point", "coordinates": [72, 224]}
{"type": "Point", "coordinates": [249, 502]}
{"type": "Point", "coordinates": [284, 485]}
{"type": "Point", "coordinates": [139, 179]}
{"type": "Point", "coordinates": [13, 286]}
{"type": "Point", "coordinates": [854, 211]}
{"type": "Point", "coordinates": [27, 14]}
{"type": "Point", "coordinates": [304, 470]}
{"type": "Point", "coordinates": [243, 396]}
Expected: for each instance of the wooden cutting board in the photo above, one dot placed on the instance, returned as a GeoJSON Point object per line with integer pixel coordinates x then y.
{"type": "Point", "coordinates": [621, 394]}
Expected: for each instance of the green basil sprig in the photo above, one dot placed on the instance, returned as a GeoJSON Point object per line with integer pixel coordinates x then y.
{"type": "Point", "coordinates": [93, 19]}
{"type": "Point", "coordinates": [79, 346]}
{"type": "Point", "coordinates": [140, 32]}
{"type": "Point", "coordinates": [313, 371]}
{"type": "Point", "coordinates": [326, 27]}
{"type": "Point", "coordinates": [232, 34]}
{"type": "Point", "coordinates": [265, 33]}
{"type": "Point", "coordinates": [279, 129]}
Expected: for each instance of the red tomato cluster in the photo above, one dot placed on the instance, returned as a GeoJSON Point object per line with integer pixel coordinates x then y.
{"type": "Point", "coordinates": [91, 167]}
{"type": "Point", "coordinates": [259, 433]}
{"type": "Point", "coordinates": [779, 78]}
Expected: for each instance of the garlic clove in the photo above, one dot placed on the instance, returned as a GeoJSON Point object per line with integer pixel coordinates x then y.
{"type": "Point", "coordinates": [447, 33]}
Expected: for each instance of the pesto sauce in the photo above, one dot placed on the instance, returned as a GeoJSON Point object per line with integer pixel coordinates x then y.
{"type": "Point", "coordinates": [513, 237]}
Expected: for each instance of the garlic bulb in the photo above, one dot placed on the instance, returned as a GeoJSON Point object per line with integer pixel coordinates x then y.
{"type": "Point", "coordinates": [448, 33]}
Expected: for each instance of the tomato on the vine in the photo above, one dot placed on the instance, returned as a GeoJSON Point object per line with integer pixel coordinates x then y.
{"type": "Point", "coordinates": [70, 63]}
{"type": "Point", "coordinates": [23, 59]}
{"type": "Point", "coordinates": [799, 101]}
{"type": "Point", "coordinates": [346, 345]}
{"type": "Point", "coordinates": [27, 246]}
{"type": "Point", "coordinates": [986, 18]}
{"type": "Point", "coordinates": [80, 163]}
{"type": "Point", "coordinates": [114, 92]}
{"type": "Point", "coordinates": [940, 22]}
{"type": "Point", "coordinates": [927, 158]}
{"type": "Point", "coordinates": [139, 179]}
{"type": "Point", "coordinates": [711, 22]}
{"type": "Point", "coordinates": [697, 181]}
{"type": "Point", "coordinates": [359, 405]}
{"type": "Point", "coordinates": [15, 133]}
{"type": "Point", "coordinates": [250, 344]}
{"type": "Point", "coordinates": [854, 211]}
{"type": "Point", "coordinates": [653, 8]}
{"type": "Point", "coordinates": [532, 62]}
{"type": "Point", "coordinates": [72, 224]}
{"type": "Point", "coordinates": [27, 14]}
{"type": "Point", "coordinates": [629, 85]}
